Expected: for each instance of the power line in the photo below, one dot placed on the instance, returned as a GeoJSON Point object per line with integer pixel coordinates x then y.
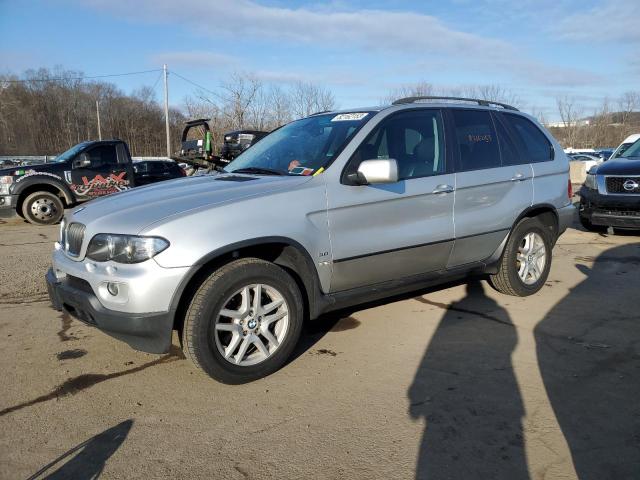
{"type": "Point", "coordinates": [81, 78]}
{"type": "Point", "coordinates": [195, 84]}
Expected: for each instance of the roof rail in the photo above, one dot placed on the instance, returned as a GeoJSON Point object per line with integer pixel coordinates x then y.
{"type": "Point", "coordinates": [484, 103]}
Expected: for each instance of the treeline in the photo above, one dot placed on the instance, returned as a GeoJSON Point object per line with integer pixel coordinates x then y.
{"type": "Point", "coordinates": [245, 101]}
{"type": "Point", "coordinates": [44, 112]}
{"type": "Point", "coordinates": [607, 126]}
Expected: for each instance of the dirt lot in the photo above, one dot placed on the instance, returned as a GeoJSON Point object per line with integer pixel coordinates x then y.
{"type": "Point", "coordinates": [459, 383]}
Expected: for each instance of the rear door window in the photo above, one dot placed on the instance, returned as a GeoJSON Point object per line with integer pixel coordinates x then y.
{"type": "Point", "coordinates": [533, 145]}
{"type": "Point", "coordinates": [476, 138]}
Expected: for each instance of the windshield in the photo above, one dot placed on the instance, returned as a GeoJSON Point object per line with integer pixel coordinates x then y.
{"type": "Point", "coordinates": [632, 151]}
{"type": "Point", "coordinates": [72, 152]}
{"type": "Point", "coordinates": [302, 147]}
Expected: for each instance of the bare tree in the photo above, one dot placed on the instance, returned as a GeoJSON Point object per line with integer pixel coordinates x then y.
{"type": "Point", "coordinates": [418, 89]}
{"type": "Point", "coordinates": [308, 98]}
{"type": "Point", "coordinates": [570, 114]}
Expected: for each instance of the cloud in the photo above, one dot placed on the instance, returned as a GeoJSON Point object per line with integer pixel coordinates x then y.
{"type": "Point", "coordinates": [371, 29]}
{"type": "Point", "coordinates": [195, 59]}
{"type": "Point", "coordinates": [612, 20]}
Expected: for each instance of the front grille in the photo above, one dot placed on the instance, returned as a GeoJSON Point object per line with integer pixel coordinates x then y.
{"type": "Point", "coordinates": [617, 185]}
{"type": "Point", "coordinates": [74, 237]}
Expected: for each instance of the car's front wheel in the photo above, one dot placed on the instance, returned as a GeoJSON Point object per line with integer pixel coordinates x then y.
{"type": "Point", "coordinates": [243, 321]}
{"type": "Point", "coordinates": [526, 260]}
{"type": "Point", "coordinates": [42, 208]}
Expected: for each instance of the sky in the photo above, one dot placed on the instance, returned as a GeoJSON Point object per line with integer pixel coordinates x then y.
{"type": "Point", "coordinates": [360, 50]}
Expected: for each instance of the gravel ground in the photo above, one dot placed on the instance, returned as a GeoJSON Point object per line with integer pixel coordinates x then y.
{"type": "Point", "coordinates": [459, 382]}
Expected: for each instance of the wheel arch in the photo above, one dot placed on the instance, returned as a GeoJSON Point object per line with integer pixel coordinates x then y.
{"type": "Point", "coordinates": [549, 217]}
{"type": "Point", "coordinates": [43, 185]}
{"type": "Point", "coordinates": [282, 251]}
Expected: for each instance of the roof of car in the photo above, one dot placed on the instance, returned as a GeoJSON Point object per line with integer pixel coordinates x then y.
{"type": "Point", "coordinates": [428, 101]}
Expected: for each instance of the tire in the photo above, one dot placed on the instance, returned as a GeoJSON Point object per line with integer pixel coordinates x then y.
{"type": "Point", "coordinates": [42, 208]}
{"type": "Point", "coordinates": [508, 279]}
{"type": "Point", "coordinates": [208, 334]}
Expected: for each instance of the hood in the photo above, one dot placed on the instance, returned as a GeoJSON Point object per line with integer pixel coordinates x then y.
{"type": "Point", "coordinates": [620, 166]}
{"type": "Point", "coordinates": [25, 169]}
{"type": "Point", "coordinates": [131, 211]}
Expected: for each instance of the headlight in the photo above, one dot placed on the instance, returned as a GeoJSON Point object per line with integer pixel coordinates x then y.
{"type": "Point", "coordinates": [124, 248]}
{"type": "Point", "coordinates": [5, 183]}
{"type": "Point", "coordinates": [590, 182]}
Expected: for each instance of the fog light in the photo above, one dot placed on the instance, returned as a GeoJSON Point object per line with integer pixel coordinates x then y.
{"type": "Point", "coordinates": [112, 288]}
{"type": "Point", "coordinates": [1, 200]}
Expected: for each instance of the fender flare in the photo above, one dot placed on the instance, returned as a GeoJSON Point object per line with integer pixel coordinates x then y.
{"type": "Point", "coordinates": [294, 256]}
{"type": "Point", "coordinates": [22, 185]}
{"type": "Point", "coordinates": [491, 264]}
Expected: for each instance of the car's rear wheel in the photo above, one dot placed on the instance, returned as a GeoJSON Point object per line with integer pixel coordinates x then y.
{"type": "Point", "coordinates": [43, 208]}
{"type": "Point", "coordinates": [526, 261]}
{"type": "Point", "coordinates": [244, 321]}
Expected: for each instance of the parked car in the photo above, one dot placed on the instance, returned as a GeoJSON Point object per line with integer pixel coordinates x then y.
{"type": "Point", "coordinates": [626, 143]}
{"type": "Point", "coordinates": [8, 163]}
{"type": "Point", "coordinates": [588, 160]}
{"type": "Point", "coordinates": [151, 171]}
{"type": "Point", "coordinates": [605, 153]}
{"type": "Point", "coordinates": [40, 193]}
{"type": "Point", "coordinates": [328, 211]}
{"type": "Point", "coordinates": [610, 196]}
{"type": "Point", "coordinates": [237, 142]}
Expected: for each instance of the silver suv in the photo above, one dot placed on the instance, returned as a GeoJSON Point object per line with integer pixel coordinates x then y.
{"type": "Point", "coordinates": [326, 212]}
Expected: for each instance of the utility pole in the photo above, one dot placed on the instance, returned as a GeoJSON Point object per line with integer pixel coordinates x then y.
{"type": "Point", "coordinates": [166, 108]}
{"type": "Point", "coordinates": [98, 115]}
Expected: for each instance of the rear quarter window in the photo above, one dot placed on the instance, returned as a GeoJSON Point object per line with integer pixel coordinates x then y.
{"type": "Point", "coordinates": [533, 145]}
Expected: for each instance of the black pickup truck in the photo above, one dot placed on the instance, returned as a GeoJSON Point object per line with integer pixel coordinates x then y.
{"type": "Point", "coordinates": [610, 196]}
{"type": "Point", "coordinates": [40, 193]}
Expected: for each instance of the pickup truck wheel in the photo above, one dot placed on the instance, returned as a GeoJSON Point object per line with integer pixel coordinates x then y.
{"type": "Point", "coordinates": [42, 208]}
{"type": "Point", "coordinates": [526, 260]}
{"type": "Point", "coordinates": [243, 321]}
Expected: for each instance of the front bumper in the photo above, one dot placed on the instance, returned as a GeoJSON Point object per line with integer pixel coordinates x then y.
{"type": "Point", "coordinates": [149, 332]}
{"type": "Point", "coordinates": [619, 211]}
{"type": "Point", "coordinates": [8, 203]}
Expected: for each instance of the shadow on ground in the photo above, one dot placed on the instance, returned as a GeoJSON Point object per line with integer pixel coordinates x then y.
{"type": "Point", "coordinates": [466, 391]}
{"type": "Point", "coordinates": [88, 459]}
{"type": "Point", "coordinates": [588, 350]}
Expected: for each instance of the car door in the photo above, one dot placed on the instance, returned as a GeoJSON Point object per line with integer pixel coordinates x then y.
{"type": "Point", "coordinates": [493, 185]}
{"type": "Point", "coordinates": [390, 231]}
{"type": "Point", "coordinates": [102, 175]}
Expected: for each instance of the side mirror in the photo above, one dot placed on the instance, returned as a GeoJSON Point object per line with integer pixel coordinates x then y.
{"type": "Point", "coordinates": [82, 161]}
{"type": "Point", "coordinates": [377, 171]}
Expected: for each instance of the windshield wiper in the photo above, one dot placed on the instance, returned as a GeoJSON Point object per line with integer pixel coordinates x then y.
{"type": "Point", "coordinates": [257, 170]}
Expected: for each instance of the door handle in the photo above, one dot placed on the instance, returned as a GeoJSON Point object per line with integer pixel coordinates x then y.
{"type": "Point", "coordinates": [443, 189]}
{"type": "Point", "coordinates": [517, 177]}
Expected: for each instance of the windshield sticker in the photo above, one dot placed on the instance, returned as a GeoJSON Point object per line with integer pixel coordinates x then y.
{"type": "Point", "coordinates": [349, 117]}
{"type": "Point", "coordinates": [320, 170]}
{"type": "Point", "coordinates": [301, 171]}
